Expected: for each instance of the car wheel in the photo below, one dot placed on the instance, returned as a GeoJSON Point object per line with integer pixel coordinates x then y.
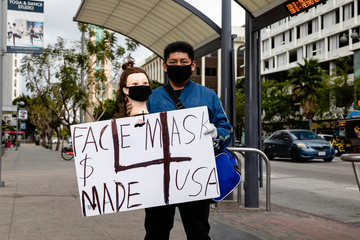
{"type": "Point", "coordinates": [328, 159]}
{"type": "Point", "coordinates": [295, 156]}
{"type": "Point", "coordinates": [269, 155]}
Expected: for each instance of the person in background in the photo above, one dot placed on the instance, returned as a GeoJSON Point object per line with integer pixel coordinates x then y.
{"type": "Point", "coordinates": [15, 33]}
{"type": "Point", "coordinates": [9, 31]}
{"type": "Point", "coordinates": [179, 63]}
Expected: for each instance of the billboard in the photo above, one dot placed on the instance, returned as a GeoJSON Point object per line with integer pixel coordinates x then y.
{"type": "Point", "coordinates": [25, 27]}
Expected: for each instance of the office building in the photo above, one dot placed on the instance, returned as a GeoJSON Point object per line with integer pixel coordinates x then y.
{"type": "Point", "coordinates": [326, 32]}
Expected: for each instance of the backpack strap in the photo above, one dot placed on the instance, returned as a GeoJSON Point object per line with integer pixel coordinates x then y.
{"type": "Point", "coordinates": [178, 103]}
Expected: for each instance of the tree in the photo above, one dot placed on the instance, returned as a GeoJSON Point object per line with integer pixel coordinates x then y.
{"type": "Point", "coordinates": [101, 52]}
{"type": "Point", "coordinates": [307, 79]}
{"type": "Point", "coordinates": [30, 128]}
{"type": "Point", "coordinates": [54, 79]}
{"type": "Point", "coordinates": [278, 104]}
{"type": "Point", "coordinates": [240, 107]}
{"type": "Point", "coordinates": [342, 89]}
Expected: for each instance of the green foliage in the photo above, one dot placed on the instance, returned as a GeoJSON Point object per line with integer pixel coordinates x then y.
{"type": "Point", "coordinates": [342, 89]}
{"type": "Point", "coordinates": [307, 79]}
{"type": "Point", "coordinates": [102, 52]}
{"type": "Point", "coordinates": [240, 107]}
{"type": "Point", "coordinates": [111, 108]}
{"type": "Point", "coordinates": [155, 84]}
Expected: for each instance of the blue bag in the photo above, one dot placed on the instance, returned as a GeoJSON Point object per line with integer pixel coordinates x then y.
{"type": "Point", "coordinates": [229, 175]}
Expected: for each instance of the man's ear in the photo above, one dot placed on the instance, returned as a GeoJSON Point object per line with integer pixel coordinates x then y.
{"type": "Point", "coordinates": [193, 65]}
{"type": "Point", "coordinates": [165, 67]}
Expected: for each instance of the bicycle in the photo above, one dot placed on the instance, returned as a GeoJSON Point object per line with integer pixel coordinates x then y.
{"type": "Point", "coordinates": [67, 153]}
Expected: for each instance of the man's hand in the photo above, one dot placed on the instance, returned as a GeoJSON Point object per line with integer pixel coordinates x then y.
{"type": "Point", "coordinates": [211, 129]}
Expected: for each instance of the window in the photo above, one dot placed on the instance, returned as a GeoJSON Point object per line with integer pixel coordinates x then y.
{"type": "Point", "coordinates": [15, 63]}
{"type": "Point", "coordinates": [293, 56]}
{"type": "Point", "coordinates": [198, 72]}
{"type": "Point", "coordinates": [343, 44]}
{"type": "Point", "coordinates": [15, 83]}
{"type": "Point", "coordinates": [283, 38]}
{"type": "Point", "coordinates": [298, 32]}
{"type": "Point", "coordinates": [14, 92]}
{"type": "Point", "coordinates": [210, 71]}
{"type": "Point", "coordinates": [290, 35]}
{"type": "Point", "coordinates": [276, 136]}
{"type": "Point", "coordinates": [309, 25]}
{"type": "Point", "coordinates": [266, 65]}
{"type": "Point", "coordinates": [272, 43]}
{"type": "Point", "coordinates": [337, 15]}
{"type": "Point", "coordinates": [285, 137]}
{"type": "Point", "coordinates": [348, 11]}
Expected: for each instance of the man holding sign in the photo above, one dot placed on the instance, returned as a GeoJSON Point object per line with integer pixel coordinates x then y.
{"type": "Point", "coordinates": [179, 64]}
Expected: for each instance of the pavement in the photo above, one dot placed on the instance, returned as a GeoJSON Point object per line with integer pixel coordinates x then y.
{"type": "Point", "coordinates": [40, 200]}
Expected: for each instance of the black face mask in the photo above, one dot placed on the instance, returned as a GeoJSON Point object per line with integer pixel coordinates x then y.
{"type": "Point", "coordinates": [139, 93]}
{"type": "Point", "coordinates": [179, 74]}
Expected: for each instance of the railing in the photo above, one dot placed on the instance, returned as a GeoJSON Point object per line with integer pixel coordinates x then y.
{"type": "Point", "coordinates": [353, 158]}
{"type": "Point", "coordinates": [240, 150]}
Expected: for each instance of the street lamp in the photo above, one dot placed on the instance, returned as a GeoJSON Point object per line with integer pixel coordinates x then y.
{"type": "Point", "coordinates": [21, 103]}
{"type": "Point", "coordinates": [354, 35]}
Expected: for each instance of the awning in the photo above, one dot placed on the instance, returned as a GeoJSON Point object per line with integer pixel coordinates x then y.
{"type": "Point", "coordinates": [354, 114]}
{"type": "Point", "coordinates": [13, 132]}
{"type": "Point", "coordinates": [267, 12]}
{"type": "Point", "coordinates": [154, 23]}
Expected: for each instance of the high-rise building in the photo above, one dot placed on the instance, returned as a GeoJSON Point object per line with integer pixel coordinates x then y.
{"type": "Point", "coordinates": [11, 78]}
{"type": "Point", "coordinates": [326, 32]}
{"type": "Point", "coordinates": [98, 91]}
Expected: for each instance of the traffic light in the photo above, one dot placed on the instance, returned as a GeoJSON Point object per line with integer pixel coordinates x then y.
{"type": "Point", "coordinates": [35, 129]}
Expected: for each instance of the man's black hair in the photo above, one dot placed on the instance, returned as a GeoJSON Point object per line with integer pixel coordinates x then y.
{"type": "Point", "coordinates": [179, 46]}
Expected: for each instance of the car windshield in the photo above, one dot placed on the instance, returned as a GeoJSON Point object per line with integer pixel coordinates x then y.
{"type": "Point", "coordinates": [301, 135]}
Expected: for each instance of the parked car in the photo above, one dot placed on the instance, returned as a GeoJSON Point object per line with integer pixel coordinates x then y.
{"type": "Point", "coordinates": [298, 145]}
{"type": "Point", "coordinates": [326, 137]}
{"type": "Point", "coordinates": [54, 140]}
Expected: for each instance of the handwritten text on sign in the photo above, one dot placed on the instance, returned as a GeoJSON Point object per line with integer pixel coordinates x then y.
{"type": "Point", "coordinates": [122, 165]}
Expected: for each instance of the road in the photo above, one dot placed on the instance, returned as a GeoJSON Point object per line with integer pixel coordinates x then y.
{"type": "Point", "coordinates": [325, 189]}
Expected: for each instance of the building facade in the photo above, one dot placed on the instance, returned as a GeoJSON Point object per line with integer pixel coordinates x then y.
{"type": "Point", "coordinates": [317, 33]}
{"type": "Point", "coordinates": [11, 78]}
{"type": "Point", "coordinates": [98, 91]}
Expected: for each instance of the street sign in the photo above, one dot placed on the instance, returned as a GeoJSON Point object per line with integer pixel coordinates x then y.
{"type": "Point", "coordinates": [23, 114]}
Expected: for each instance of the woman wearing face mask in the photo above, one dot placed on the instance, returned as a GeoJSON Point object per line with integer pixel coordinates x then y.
{"type": "Point", "coordinates": [134, 88]}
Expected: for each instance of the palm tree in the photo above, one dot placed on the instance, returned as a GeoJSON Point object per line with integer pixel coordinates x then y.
{"type": "Point", "coordinates": [307, 80]}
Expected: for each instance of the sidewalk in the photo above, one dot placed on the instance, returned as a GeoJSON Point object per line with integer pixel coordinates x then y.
{"type": "Point", "coordinates": [40, 201]}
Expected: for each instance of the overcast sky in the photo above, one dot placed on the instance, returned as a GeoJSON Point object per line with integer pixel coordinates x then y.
{"type": "Point", "coordinates": [58, 20]}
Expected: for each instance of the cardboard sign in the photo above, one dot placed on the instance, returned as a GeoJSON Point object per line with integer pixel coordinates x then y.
{"type": "Point", "coordinates": [144, 161]}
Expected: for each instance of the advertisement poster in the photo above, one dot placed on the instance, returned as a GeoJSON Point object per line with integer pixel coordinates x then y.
{"type": "Point", "coordinates": [25, 27]}
{"type": "Point", "coordinates": [144, 161]}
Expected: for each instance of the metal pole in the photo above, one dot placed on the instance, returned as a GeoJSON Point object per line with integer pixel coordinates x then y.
{"type": "Point", "coordinates": [2, 184]}
{"type": "Point", "coordinates": [82, 73]}
{"type": "Point", "coordinates": [227, 97]}
{"type": "Point", "coordinates": [252, 113]}
{"type": "Point", "coordinates": [17, 126]}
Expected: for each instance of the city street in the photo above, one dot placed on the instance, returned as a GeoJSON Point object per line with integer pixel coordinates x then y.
{"type": "Point", "coordinates": [40, 200]}
{"type": "Point", "coordinates": [325, 189]}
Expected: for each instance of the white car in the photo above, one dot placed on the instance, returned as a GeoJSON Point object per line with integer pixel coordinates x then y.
{"type": "Point", "coordinates": [54, 140]}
